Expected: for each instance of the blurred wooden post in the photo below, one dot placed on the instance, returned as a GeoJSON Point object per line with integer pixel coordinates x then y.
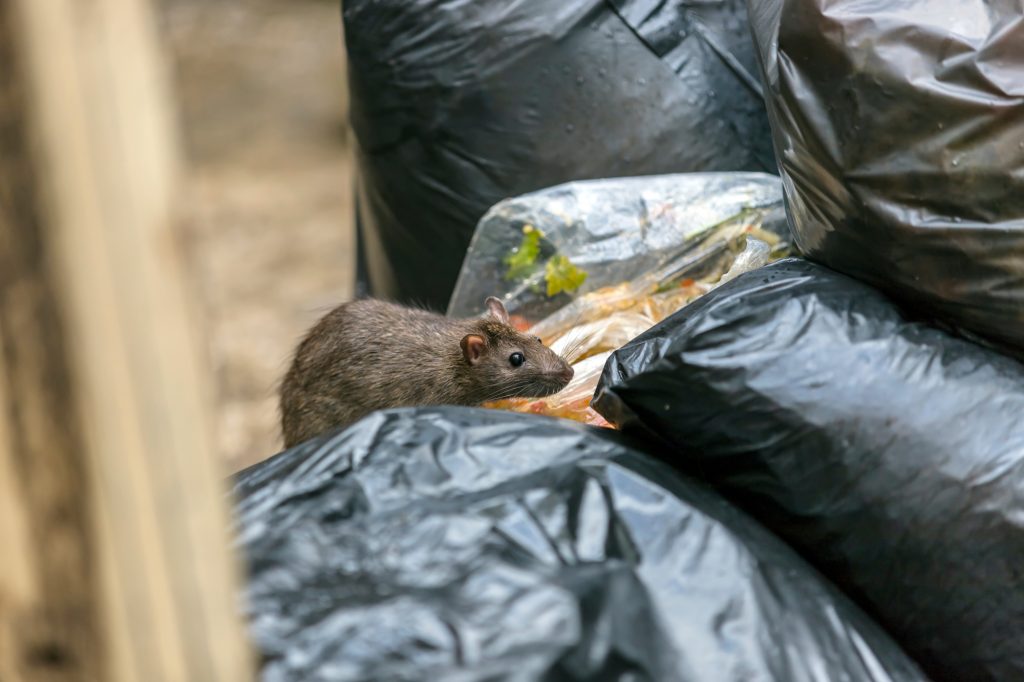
{"type": "Point", "coordinates": [116, 563]}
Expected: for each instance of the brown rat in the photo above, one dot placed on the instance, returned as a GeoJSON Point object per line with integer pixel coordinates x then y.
{"type": "Point", "coordinates": [369, 355]}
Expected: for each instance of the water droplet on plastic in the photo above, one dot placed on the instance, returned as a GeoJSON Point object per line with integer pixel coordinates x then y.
{"type": "Point", "coordinates": [956, 219]}
{"type": "Point", "coordinates": [941, 126]}
{"type": "Point", "coordinates": [579, 80]}
{"type": "Point", "coordinates": [956, 161]}
{"type": "Point", "coordinates": [569, 127]}
{"type": "Point", "coordinates": [602, 72]}
{"type": "Point", "coordinates": [641, 81]}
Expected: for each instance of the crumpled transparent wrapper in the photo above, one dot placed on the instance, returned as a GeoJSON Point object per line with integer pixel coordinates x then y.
{"type": "Point", "coordinates": [648, 247]}
{"type": "Point", "coordinates": [617, 230]}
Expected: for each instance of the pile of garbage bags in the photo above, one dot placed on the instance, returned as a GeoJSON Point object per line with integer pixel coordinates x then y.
{"type": "Point", "coordinates": [812, 460]}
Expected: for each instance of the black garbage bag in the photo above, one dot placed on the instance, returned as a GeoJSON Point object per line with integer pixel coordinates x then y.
{"type": "Point", "coordinates": [468, 544]}
{"type": "Point", "coordinates": [899, 128]}
{"type": "Point", "coordinates": [457, 105]}
{"type": "Point", "coordinates": [890, 453]}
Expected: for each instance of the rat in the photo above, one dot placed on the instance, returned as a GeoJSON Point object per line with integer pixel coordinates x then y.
{"type": "Point", "coordinates": [368, 355]}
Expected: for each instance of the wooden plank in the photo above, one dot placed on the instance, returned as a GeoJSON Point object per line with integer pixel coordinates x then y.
{"type": "Point", "coordinates": [49, 628]}
{"type": "Point", "coordinates": [118, 400]}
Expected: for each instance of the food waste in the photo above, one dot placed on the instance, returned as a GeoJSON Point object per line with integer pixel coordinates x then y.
{"type": "Point", "coordinates": [588, 329]}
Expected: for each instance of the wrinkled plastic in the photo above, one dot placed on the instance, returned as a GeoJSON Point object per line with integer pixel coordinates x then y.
{"type": "Point", "coordinates": [617, 231]}
{"type": "Point", "coordinates": [467, 544]}
{"type": "Point", "coordinates": [899, 128]}
{"type": "Point", "coordinates": [457, 105]}
{"type": "Point", "coordinates": [889, 452]}
{"type": "Point", "coordinates": [755, 254]}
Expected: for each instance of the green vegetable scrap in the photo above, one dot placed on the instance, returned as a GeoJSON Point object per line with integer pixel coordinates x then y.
{"type": "Point", "coordinates": [523, 261]}
{"type": "Point", "coordinates": [559, 273]}
{"type": "Point", "coordinates": [562, 275]}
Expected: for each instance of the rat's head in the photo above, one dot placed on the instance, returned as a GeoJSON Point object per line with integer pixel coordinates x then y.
{"type": "Point", "coordinates": [508, 364]}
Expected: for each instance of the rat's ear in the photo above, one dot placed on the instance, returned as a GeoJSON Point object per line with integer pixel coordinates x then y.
{"type": "Point", "coordinates": [473, 346]}
{"type": "Point", "coordinates": [497, 309]}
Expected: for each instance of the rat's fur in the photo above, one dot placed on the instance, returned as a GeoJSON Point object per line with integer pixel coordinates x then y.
{"type": "Point", "coordinates": [368, 355]}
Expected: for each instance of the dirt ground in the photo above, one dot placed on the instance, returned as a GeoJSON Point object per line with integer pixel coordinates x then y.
{"type": "Point", "coordinates": [268, 223]}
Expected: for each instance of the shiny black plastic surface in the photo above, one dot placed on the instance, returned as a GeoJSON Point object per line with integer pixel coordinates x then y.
{"type": "Point", "coordinates": [457, 105]}
{"type": "Point", "coordinates": [890, 453]}
{"type": "Point", "coordinates": [466, 544]}
{"type": "Point", "coordinates": [899, 129]}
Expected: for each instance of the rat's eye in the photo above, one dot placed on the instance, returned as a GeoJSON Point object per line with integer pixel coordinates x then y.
{"type": "Point", "coordinates": [516, 359]}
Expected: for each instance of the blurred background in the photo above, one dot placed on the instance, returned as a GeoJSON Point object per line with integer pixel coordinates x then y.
{"type": "Point", "coordinates": [268, 229]}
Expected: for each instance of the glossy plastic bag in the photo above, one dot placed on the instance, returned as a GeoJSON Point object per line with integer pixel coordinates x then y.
{"type": "Point", "coordinates": [899, 128]}
{"type": "Point", "coordinates": [890, 453]}
{"type": "Point", "coordinates": [468, 544]}
{"type": "Point", "coordinates": [614, 231]}
{"type": "Point", "coordinates": [457, 105]}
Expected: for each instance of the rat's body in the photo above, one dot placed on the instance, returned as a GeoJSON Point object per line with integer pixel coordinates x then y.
{"type": "Point", "coordinates": [369, 355]}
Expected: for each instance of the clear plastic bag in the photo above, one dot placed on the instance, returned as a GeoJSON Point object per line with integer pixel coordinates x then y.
{"type": "Point", "coordinates": [614, 231]}
{"type": "Point", "coordinates": [637, 250]}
